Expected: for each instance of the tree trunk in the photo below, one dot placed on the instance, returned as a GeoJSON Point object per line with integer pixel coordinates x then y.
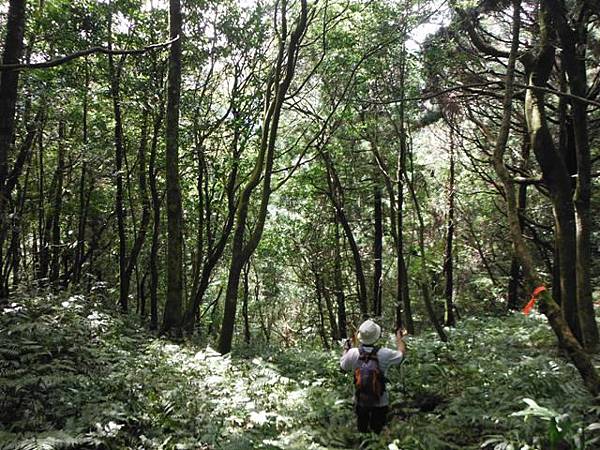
{"type": "Point", "coordinates": [57, 206]}
{"type": "Point", "coordinates": [449, 319]}
{"type": "Point", "coordinates": [573, 56]}
{"type": "Point", "coordinates": [240, 252]}
{"type": "Point", "coordinates": [174, 301]}
{"type": "Point", "coordinates": [141, 236]}
{"type": "Point", "coordinates": [403, 306]}
{"type": "Point", "coordinates": [156, 200]}
{"type": "Point", "coordinates": [319, 295]}
{"type": "Point", "coordinates": [215, 250]}
{"type": "Point", "coordinates": [42, 255]}
{"type": "Point", "coordinates": [83, 198]}
{"type": "Point", "coordinates": [555, 174]}
{"type": "Point", "coordinates": [9, 83]}
{"type": "Point", "coordinates": [548, 306]}
{"type": "Point", "coordinates": [17, 231]}
{"type": "Point", "coordinates": [514, 300]}
{"type": "Point", "coordinates": [335, 193]}
{"type": "Point", "coordinates": [333, 326]}
{"type": "Point", "coordinates": [423, 282]}
{"type": "Point", "coordinates": [245, 296]}
{"type": "Point", "coordinates": [377, 245]}
{"type": "Point", "coordinates": [339, 285]}
{"type": "Point", "coordinates": [115, 88]}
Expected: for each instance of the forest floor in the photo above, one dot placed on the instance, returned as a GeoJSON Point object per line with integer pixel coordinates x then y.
{"type": "Point", "coordinates": [76, 374]}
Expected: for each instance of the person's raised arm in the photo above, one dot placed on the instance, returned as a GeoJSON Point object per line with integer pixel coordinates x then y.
{"type": "Point", "coordinates": [400, 344]}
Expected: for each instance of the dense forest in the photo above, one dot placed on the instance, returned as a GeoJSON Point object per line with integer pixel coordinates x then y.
{"type": "Point", "coordinates": [202, 200]}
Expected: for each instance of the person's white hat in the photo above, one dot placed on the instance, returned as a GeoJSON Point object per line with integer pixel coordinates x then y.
{"type": "Point", "coordinates": [369, 332]}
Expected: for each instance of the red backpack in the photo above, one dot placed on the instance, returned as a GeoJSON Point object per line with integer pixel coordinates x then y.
{"type": "Point", "coordinates": [368, 378]}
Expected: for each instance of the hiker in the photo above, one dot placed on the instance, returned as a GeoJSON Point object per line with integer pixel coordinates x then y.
{"type": "Point", "coordinates": [370, 364]}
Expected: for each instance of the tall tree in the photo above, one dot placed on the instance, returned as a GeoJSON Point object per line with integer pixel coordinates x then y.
{"type": "Point", "coordinates": [115, 71]}
{"type": "Point", "coordinates": [277, 87]}
{"type": "Point", "coordinates": [174, 301]}
{"type": "Point", "coordinates": [550, 308]}
{"type": "Point", "coordinates": [9, 83]}
{"type": "Point", "coordinates": [377, 243]}
{"type": "Point", "coordinates": [573, 39]}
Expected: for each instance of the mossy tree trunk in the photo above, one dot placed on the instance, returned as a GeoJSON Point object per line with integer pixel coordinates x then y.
{"type": "Point", "coordinates": [549, 307]}
{"type": "Point", "coordinates": [573, 42]}
{"type": "Point", "coordinates": [244, 244]}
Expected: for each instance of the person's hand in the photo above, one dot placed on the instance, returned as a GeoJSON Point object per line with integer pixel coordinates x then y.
{"type": "Point", "coordinates": [401, 332]}
{"type": "Point", "coordinates": [347, 344]}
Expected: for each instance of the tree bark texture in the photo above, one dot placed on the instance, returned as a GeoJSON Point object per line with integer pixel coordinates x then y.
{"type": "Point", "coordinates": [174, 302]}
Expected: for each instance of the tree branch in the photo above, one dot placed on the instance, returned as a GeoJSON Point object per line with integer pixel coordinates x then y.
{"type": "Point", "coordinates": [89, 51]}
{"type": "Point", "coordinates": [484, 84]}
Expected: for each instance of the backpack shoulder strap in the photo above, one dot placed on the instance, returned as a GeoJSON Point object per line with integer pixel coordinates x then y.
{"type": "Point", "coordinates": [364, 355]}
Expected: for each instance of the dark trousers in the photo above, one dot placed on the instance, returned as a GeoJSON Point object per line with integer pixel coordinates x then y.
{"type": "Point", "coordinates": [371, 418]}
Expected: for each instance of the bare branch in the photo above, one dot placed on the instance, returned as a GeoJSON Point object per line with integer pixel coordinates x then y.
{"type": "Point", "coordinates": [82, 53]}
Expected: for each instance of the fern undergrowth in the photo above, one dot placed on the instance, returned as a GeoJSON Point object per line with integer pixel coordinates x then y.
{"type": "Point", "coordinates": [76, 374]}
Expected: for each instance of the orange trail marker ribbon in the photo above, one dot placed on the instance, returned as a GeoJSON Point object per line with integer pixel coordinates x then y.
{"type": "Point", "coordinates": [534, 296]}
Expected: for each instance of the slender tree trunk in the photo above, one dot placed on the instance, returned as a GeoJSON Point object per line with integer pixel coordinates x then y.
{"type": "Point", "coordinates": [15, 241]}
{"type": "Point", "coordinates": [245, 296]}
{"type": "Point", "coordinates": [199, 256]}
{"type": "Point", "coordinates": [42, 255]}
{"type": "Point", "coordinates": [153, 258]}
{"type": "Point", "coordinates": [403, 306]}
{"type": "Point", "coordinates": [11, 262]}
{"type": "Point", "coordinates": [57, 206]}
{"type": "Point", "coordinates": [449, 319]}
{"type": "Point", "coordinates": [333, 326]}
{"type": "Point", "coordinates": [335, 193]}
{"type": "Point", "coordinates": [9, 83]}
{"type": "Point", "coordinates": [115, 88]}
{"type": "Point", "coordinates": [172, 319]}
{"type": "Point", "coordinates": [47, 241]}
{"type": "Point", "coordinates": [240, 252]}
{"type": "Point", "coordinates": [514, 302]}
{"type": "Point", "coordinates": [215, 250]}
{"type": "Point", "coordinates": [17, 231]}
{"type": "Point", "coordinates": [80, 247]}
{"type": "Point", "coordinates": [319, 295]}
{"type": "Point", "coordinates": [423, 282]}
{"type": "Point", "coordinates": [141, 236]}
{"type": "Point", "coordinates": [339, 284]}
{"type": "Point", "coordinates": [377, 244]}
